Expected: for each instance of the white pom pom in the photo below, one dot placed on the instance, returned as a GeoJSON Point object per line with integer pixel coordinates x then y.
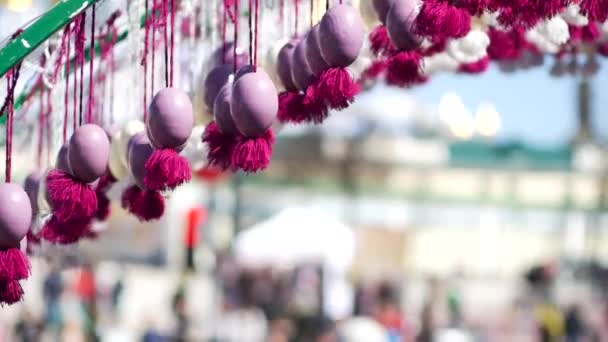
{"type": "Point", "coordinates": [549, 35]}
{"type": "Point", "coordinates": [573, 16]}
{"type": "Point", "coordinates": [470, 48]}
{"type": "Point", "coordinates": [440, 62]}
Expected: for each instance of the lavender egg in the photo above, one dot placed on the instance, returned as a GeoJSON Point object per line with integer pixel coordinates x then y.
{"type": "Point", "coordinates": [62, 162]}
{"type": "Point", "coordinates": [15, 215]}
{"type": "Point", "coordinates": [243, 71]}
{"type": "Point", "coordinates": [216, 78]}
{"type": "Point", "coordinates": [315, 59]}
{"type": "Point", "coordinates": [89, 152]}
{"type": "Point", "coordinates": [140, 150]}
{"type": "Point", "coordinates": [254, 103]}
{"type": "Point", "coordinates": [226, 56]}
{"type": "Point", "coordinates": [31, 186]}
{"type": "Point", "coordinates": [222, 112]}
{"type": "Point", "coordinates": [381, 7]}
{"type": "Point", "coordinates": [170, 119]}
{"type": "Point", "coordinates": [400, 25]}
{"type": "Point", "coordinates": [284, 64]}
{"type": "Point", "coordinates": [301, 74]}
{"type": "Point", "coordinates": [341, 35]}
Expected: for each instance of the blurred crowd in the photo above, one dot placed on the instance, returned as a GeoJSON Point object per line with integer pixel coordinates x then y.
{"type": "Point", "coordinates": [264, 304]}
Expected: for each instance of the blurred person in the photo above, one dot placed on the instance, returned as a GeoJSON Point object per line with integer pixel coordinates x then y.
{"type": "Point", "coordinates": [574, 325]}
{"type": "Point", "coordinates": [388, 313]}
{"type": "Point", "coordinates": [181, 316]}
{"type": "Point", "coordinates": [87, 293]}
{"type": "Point", "coordinates": [550, 322]}
{"type": "Point", "coordinates": [280, 330]}
{"type": "Point", "coordinates": [52, 289]}
{"type": "Point", "coordinates": [28, 328]}
{"type": "Point", "coordinates": [116, 293]}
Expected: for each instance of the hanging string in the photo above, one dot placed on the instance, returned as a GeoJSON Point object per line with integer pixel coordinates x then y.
{"type": "Point", "coordinates": [154, 26]}
{"type": "Point", "coordinates": [173, 9]}
{"type": "Point", "coordinates": [91, 59]}
{"type": "Point", "coordinates": [8, 107]}
{"type": "Point", "coordinates": [165, 10]}
{"type": "Point", "coordinates": [47, 123]}
{"type": "Point", "coordinates": [236, 34]}
{"type": "Point", "coordinates": [312, 11]}
{"type": "Point", "coordinates": [327, 5]}
{"type": "Point", "coordinates": [224, 20]}
{"type": "Point", "coordinates": [144, 60]}
{"type": "Point", "coordinates": [296, 7]}
{"type": "Point", "coordinates": [75, 76]}
{"type": "Point", "coordinates": [81, 40]}
{"type": "Point", "coordinates": [282, 14]}
{"type": "Point", "coordinates": [41, 113]}
{"type": "Point", "coordinates": [68, 33]}
{"type": "Point", "coordinates": [255, 36]}
{"type": "Point", "coordinates": [250, 18]}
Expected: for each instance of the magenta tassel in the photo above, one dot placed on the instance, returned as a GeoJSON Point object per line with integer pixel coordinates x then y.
{"type": "Point", "coordinates": [403, 69]}
{"type": "Point", "coordinates": [33, 240]}
{"type": "Point", "coordinates": [316, 109]}
{"type": "Point", "coordinates": [380, 43]}
{"type": "Point", "coordinates": [439, 19]}
{"type": "Point", "coordinates": [475, 67]}
{"type": "Point", "coordinates": [291, 107]}
{"type": "Point", "coordinates": [336, 88]}
{"type": "Point", "coordinates": [506, 45]}
{"type": "Point", "coordinates": [253, 154]}
{"type": "Point", "coordinates": [103, 202]}
{"type": "Point", "coordinates": [146, 205]}
{"type": "Point", "coordinates": [220, 146]}
{"type": "Point", "coordinates": [65, 232]}
{"type": "Point", "coordinates": [69, 198]}
{"type": "Point", "coordinates": [594, 10]}
{"type": "Point", "coordinates": [166, 169]}
{"type": "Point", "coordinates": [14, 265]}
{"type": "Point", "coordinates": [374, 71]}
{"type": "Point", "coordinates": [11, 292]}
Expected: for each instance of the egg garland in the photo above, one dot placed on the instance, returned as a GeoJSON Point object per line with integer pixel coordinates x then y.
{"type": "Point", "coordinates": [143, 203]}
{"type": "Point", "coordinates": [169, 125]}
{"type": "Point", "coordinates": [70, 194]}
{"type": "Point", "coordinates": [291, 100]}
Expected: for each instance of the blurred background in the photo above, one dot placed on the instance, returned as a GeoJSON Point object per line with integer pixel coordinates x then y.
{"type": "Point", "coordinates": [469, 209]}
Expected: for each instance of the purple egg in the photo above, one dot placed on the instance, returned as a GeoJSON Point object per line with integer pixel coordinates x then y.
{"type": "Point", "coordinates": [284, 64]}
{"type": "Point", "coordinates": [62, 163]}
{"type": "Point", "coordinates": [315, 59]}
{"type": "Point", "coordinates": [222, 112]}
{"type": "Point", "coordinates": [341, 35]}
{"type": "Point", "coordinates": [170, 119]}
{"type": "Point", "coordinates": [140, 150]}
{"type": "Point", "coordinates": [254, 103]}
{"type": "Point", "coordinates": [15, 215]}
{"type": "Point", "coordinates": [242, 57]}
{"type": "Point", "coordinates": [31, 186]}
{"type": "Point", "coordinates": [381, 7]}
{"type": "Point", "coordinates": [216, 78]}
{"type": "Point", "coordinates": [400, 25]}
{"type": "Point", "coordinates": [301, 74]}
{"type": "Point", "coordinates": [89, 152]}
{"type": "Point", "coordinates": [242, 71]}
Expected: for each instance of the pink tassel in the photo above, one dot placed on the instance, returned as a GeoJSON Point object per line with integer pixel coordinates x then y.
{"type": "Point", "coordinates": [594, 10]}
{"type": "Point", "coordinates": [506, 45]}
{"type": "Point", "coordinates": [336, 88]}
{"type": "Point", "coordinates": [166, 169]}
{"type": "Point", "coordinates": [380, 43]}
{"type": "Point", "coordinates": [69, 198]}
{"type": "Point", "coordinates": [375, 70]}
{"type": "Point", "coordinates": [220, 146]}
{"type": "Point", "coordinates": [11, 292]}
{"type": "Point", "coordinates": [403, 69]}
{"type": "Point", "coordinates": [65, 232]}
{"type": "Point", "coordinates": [475, 67]}
{"type": "Point", "coordinates": [315, 108]}
{"type": "Point", "coordinates": [253, 154]}
{"type": "Point", "coordinates": [526, 13]}
{"type": "Point", "coordinates": [438, 19]}
{"type": "Point", "coordinates": [474, 7]}
{"type": "Point", "coordinates": [14, 265]}
{"type": "Point", "coordinates": [103, 202]}
{"type": "Point", "coordinates": [146, 205]}
{"type": "Point", "coordinates": [291, 107]}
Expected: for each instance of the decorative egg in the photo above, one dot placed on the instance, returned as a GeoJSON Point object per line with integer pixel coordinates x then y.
{"type": "Point", "coordinates": [140, 150]}
{"type": "Point", "coordinates": [315, 59]}
{"type": "Point", "coordinates": [242, 57]}
{"type": "Point", "coordinates": [31, 186]}
{"type": "Point", "coordinates": [254, 103]}
{"type": "Point", "coordinates": [128, 131]}
{"type": "Point", "coordinates": [222, 112]}
{"type": "Point", "coordinates": [242, 71]}
{"type": "Point", "coordinates": [216, 78]}
{"type": "Point", "coordinates": [284, 64]}
{"type": "Point", "coordinates": [88, 152]}
{"type": "Point", "coordinates": [15, 215]}
{"type": "Point", "coordinates": [400, 25]}
{"type": "Point", "coordinates": [270, 60]}
{"type": "Point", "coordinates": [62, 162]}
{"type": "Point", "coordinates": [170, 119]}
{"type": "Point", "coordinates": [301, 74]}
{"type": "Point", "coordinates": [341, 35]}
{"type": "Point", "coordinates": [381, 7]}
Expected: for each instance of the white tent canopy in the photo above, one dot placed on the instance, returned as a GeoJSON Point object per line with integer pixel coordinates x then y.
{"type": "Point", "coordinates": [297, 235]}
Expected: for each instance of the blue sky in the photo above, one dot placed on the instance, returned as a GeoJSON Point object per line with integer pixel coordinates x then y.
{"type": "Point", "coordinates": [534, 106]}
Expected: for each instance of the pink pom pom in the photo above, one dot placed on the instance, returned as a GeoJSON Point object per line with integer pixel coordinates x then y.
{"type": "Point", "coordinates": [103, 202]}
{"type": "Point", "coordinates": [475, 67]}
{"type": "Point", "coordinates": [506, 45]}
{"type": "Point", "coordinates": [594, 10]}
{"type": "Point", "coordinates": [315, 108]}
{"type": "Point", "coordinates": [69, 198]}
{"type": "Point", "coordinates": [291, 107]}
{"type": "Point", "coordinates": [379, 41]}
{"type": "Point", "coordinates": [145, 205]}
{"type": "Point", "coordinates": [253, 154]}
{"type": "Point", "coordinates": [14, 265]}
{"type": "Point", "coordinates": [11, 292]}
{"type": "Point", "coordinates": [526, 13]}
{"type": "Point", "coordinates": [373, 71]}
{"type": "Point", "coordinates": [403, 69]}
{"type": "Point", "coordinates": [336, 88]}
{"type": "Point", "coordinates": [166, 169]}
{"type": "Point", "coordinates": [439, 19]}
{"type": "Point", "coordinates": [474, 7]}
{"type": "Point", "coordinates": [220, 146]}
{"type": "Point", "coordinates": [65, 232]}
